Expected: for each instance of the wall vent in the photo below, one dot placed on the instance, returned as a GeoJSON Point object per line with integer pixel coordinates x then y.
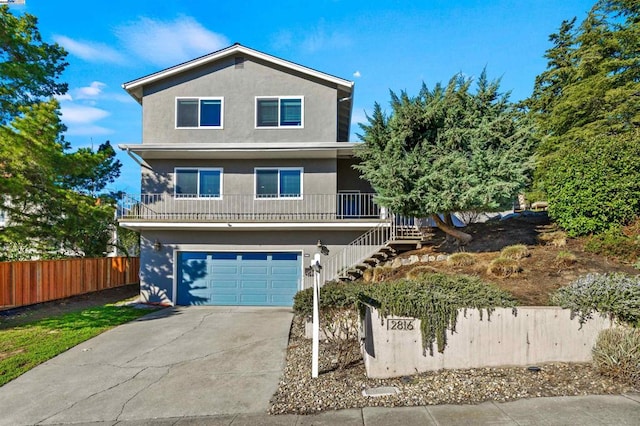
{"type": "Point", "coordinates": [239, 62]}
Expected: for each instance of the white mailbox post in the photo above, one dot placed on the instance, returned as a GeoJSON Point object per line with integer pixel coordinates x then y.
{"type": "Point", "coordinates": [315, 266]}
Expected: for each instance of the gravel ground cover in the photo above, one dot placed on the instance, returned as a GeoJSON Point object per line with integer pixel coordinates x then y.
{"type": "Point", "coordinates": [298, 393]}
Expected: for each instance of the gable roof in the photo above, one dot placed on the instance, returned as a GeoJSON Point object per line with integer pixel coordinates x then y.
{"type": "Point", "coordinates": [134, 87]}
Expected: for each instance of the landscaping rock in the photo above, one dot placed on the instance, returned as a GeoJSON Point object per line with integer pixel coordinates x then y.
{"type": "Point", "coordinates": [414, 259]}
{"type": "Point", "coordinates": [432, 258]}
{"type": "Point", "coordinates": [337, 389]}
{"type": "Point", "coordinates": [425, 258]}
{"type": "Point", "coordinates": [397, 262]}
{"type": "Point", "coordinates": [441, 258]}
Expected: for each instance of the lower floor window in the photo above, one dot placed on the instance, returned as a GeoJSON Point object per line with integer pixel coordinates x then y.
{"type": "Point", "coordinates": [278, 182]}
{"type": "Point", "coordinates": [193, 183]}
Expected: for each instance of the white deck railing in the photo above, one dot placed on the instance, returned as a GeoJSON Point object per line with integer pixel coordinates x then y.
{"type": "Point", "coordinates": [363, 247]}
{"type": "Point", "coordinates": [247, 207]}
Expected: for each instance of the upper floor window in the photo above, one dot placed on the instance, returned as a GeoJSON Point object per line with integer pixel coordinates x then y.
{"type": "Point", "coordinates": [280, 111]}
{"type": "Point", "coordinates": [283, 182]}
{"type": "Point", "coordinates": [198, 183]}
{"type": "Point", "coordinates": [199, 112]}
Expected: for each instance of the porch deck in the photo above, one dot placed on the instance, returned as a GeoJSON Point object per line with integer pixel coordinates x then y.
{"type": "Point", "coordinates": [350, 207]}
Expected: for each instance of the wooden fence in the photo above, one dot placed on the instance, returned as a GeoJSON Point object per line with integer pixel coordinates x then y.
{"type": "Point", "coordinates": [26, 283]}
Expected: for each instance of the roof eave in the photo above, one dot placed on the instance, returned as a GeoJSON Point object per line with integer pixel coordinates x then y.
{"type": "Point", "coordinates": [134, 87]}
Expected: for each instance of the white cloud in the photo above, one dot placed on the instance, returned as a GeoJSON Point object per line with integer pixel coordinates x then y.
{"type": "Point", "coordinates": [81, 114]}
{"type": "Point", "coordinates": [90, 91]}
{"type": "Point", "coordinates": [91, 130]}
{"type": "Point", "coordinates": [357, 74]}
{"type": "Point", "coordinates": [65, 97]}
{"type": "Point", "coordinates": [166, 43]}
{"type": "Point", "coordinates": [90, 51]}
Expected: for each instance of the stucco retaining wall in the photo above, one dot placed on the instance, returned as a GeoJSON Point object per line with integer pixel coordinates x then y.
{"type": "Point", "coordinates": [536, 335]}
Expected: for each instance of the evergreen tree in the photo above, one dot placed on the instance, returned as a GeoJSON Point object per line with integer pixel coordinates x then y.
{"type": "Point", "coordinates": [588, 96]}
{"type": "Point", "coordinates": [447, 150]}
{"type": "Point", "coordinates": [29, 67]}
{"type": "Point", "coordinates": [53, 196]}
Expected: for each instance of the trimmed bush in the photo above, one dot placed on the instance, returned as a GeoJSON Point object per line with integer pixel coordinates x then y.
{"type": "Point", "coordinates": [516, 252]}
{"type": "Point", "coordinates": [502, 267]}
{"type": "Point", "coordinates": [595, 186]}
{"type": "Point", "coordinates": [565, 259]}
{"type": "Point", "coordinates": [615, 294]}
{"type": "Point", "coordinates": [382, 273]}
{"type": "Point", "coordinates": [557, 238]}
{"type": "Point", "coordinates": [461, 259]}
{"type": "Point", "coordinates": [617, 354]}
{"type": "Point", "coordinates": [419, 270]}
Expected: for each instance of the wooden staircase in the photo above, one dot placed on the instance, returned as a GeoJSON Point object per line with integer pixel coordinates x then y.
{"type": "Point", "coordinates": [406, 239]}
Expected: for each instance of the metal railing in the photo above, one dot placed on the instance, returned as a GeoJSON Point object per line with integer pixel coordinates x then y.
{"type": "Point", "coordinates": [363, 247]}
{"type": "Point", "coordinates": [248, 207]}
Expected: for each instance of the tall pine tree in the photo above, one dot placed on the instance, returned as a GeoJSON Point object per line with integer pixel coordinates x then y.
{"type": "Point", "coordinates": [587, 99]}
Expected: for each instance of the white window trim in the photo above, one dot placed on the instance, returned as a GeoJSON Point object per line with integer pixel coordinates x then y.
{"type": "Point", "coordinates": [177, 196]}
{"type": "Point", "coordinates": [255, 183]}
{"type": "Point", "coordinates": [255, 121]}
{"type": "Point", "coordinates": [205, 98]}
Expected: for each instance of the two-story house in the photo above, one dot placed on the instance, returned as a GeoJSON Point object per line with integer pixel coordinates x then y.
{"type": "Point", "coordinates": [246, 166]}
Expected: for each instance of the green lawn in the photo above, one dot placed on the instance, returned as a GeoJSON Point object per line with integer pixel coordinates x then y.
{"type": "Point", "coordinates": [23, 347]}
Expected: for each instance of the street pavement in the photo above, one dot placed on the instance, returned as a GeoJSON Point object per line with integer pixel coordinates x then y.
{"type": "Point", "coordinates": [220, 366]}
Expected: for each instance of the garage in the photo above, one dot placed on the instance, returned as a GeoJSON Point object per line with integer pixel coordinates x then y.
{"type": "Point", "coordinates": [238, 278]}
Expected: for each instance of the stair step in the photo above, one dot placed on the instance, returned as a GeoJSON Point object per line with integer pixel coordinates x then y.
{"type": "Point", "coordinates": [362, 266]}
{"type": "Point", "coordinates": [372, 261]}
{"type": "Point", "coordinates": [354, 272]}
{"type": "Point", "coordinates": [380, 256]}
{"type": "Point", "coordinates": [404, 242]}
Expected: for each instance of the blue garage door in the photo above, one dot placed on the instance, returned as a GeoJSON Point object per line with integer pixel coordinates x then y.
{"type": "Point", "coordinates": [250, 279]}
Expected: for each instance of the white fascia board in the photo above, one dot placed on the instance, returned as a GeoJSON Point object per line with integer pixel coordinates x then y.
{"type": "Point", "coordinates": [132, 86]}
{"type": "Point", "coordinates": [248, 226]}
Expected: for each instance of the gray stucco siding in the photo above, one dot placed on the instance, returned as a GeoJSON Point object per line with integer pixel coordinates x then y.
{"type": "Point", "coordinates": [319, 175]}
{"type": "Point", "coordinates": [157, 272]}
{"type": "Point", "coordinates": [239, 88]}
{"type": "Point", "coordinates": [349, 179]}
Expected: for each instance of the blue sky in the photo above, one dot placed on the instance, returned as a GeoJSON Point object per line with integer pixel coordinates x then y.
{"type": "Point", "coordinates": [380, 45]}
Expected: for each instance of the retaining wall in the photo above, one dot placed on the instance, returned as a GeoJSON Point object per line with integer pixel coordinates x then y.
{"type": "Point", "coordinates": [393, 346]}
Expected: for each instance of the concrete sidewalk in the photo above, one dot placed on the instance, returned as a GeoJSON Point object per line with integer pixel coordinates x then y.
{"type": "Point", "coordinates": [618, 410]}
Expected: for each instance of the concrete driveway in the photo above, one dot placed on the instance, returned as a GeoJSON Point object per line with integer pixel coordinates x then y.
{"type": "Point", "coordinates": [183, 362]}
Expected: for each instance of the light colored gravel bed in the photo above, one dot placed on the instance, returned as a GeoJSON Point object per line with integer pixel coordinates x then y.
{"type": "Point", "coordinates": [339, 389]}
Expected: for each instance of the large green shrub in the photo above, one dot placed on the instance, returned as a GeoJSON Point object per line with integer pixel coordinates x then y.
{"type": "Point", "coordinates": [615, 294]}
{"type": "Point", "coordinates": [595, 185]}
